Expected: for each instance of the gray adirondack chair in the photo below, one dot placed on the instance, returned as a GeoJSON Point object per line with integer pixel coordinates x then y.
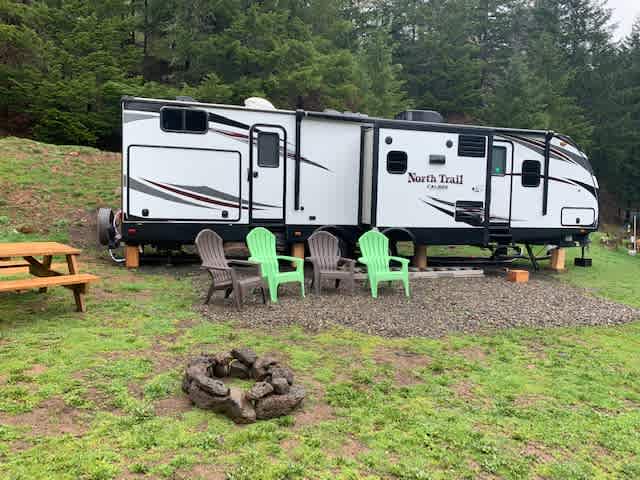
{"type": "Point", "coordinates": [327, 262]}
{"type": "Point", "coordinates": [223, 275]}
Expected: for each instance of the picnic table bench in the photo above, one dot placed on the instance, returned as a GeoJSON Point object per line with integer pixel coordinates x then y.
{"type": "Point", "coordinates": [46, 274]}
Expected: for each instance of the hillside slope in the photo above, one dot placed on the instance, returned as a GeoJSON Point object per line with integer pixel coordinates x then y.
{"type": "Point", "coordinates": [51, 191]}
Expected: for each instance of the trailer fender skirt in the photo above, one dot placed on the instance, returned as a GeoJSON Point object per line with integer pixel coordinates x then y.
{"type": "Point", "coordinates": [399, 234]}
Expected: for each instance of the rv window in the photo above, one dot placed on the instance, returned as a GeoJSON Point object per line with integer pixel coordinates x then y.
{"type": "Point", "coordinates": [397, 162]}
{"type": "Point", "coordinates": [268, 150]}
{"type": "Point", "coordinates": [498, 160]}
{"type": "Point", "coordinates": [530, 173]}
{"type": "Point", "coordinates": [195, 121]}
{"type": "Point", "coordinates": [171, 118]}
{"type": "Point", "coordinates": [183, 120]}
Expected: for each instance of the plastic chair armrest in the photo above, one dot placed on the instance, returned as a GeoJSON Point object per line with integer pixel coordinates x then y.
{"type": "Point", "coordinates": [215, 267]}
{"type": "Point", "coordinates": [349, 262]}
{"type": "Point", "coordinates": [403, 261]}
{"type": "Point", "coordinates": [298, 261]}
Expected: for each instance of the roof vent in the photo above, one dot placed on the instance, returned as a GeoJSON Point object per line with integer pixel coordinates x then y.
{"type": "Point", "coordinates": [472, 146]}
{"type": "Point", "coordinates": [430, 116]}
{"type": "Point", "coordinates": [183, 98]}
{"type": "Point", "coordinates": [259, 103]}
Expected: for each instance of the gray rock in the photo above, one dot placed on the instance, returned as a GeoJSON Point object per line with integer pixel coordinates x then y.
{"type": "Point", "coordinates": [260, 369]}
{"type": "Point", "coordinates": [198, 373]}
{"type": "Point", "coordinates": [214, 387]}
{"type": "Point", "coordinates": [245, 355]}
{"type": "Point", "coordinates": [277, 405]}
{"type": "Point", "coordinates": [280, 385]}
{"type": "Point", "coordinates": [194, 371]}
{"type": "Point", "coordinates": [205, 400]}
{"type": "Point", "coordinates": [282, 372]}
{"type": "Point", "coordinates": [237, 369]}
{"type": "Point", "coordinates": [259, 390]}
{"type": "Point", "coordinates": [239, 408]}
{"type": "Point", "coordinates": [223, 357]}
{"type": "Point", "coordinates": [234, 405]}
{"type": "Point", "coordinates": [186, 383]}
{"type": "Point", "coordinates": [202, 358]}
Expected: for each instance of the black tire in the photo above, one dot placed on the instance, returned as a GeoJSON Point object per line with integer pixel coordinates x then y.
{"type": "Point", "coordinates": [393, 248]}
{"type": "Point", "coordinates": [347, 249]}
{"type": "Point", "coordinates": [105, 226]}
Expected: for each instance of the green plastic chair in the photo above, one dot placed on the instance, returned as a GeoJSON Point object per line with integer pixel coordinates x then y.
{"type": "Point", "coordinates": [375, 255]}
{"type": "Point", "coordinates": [262, 246]}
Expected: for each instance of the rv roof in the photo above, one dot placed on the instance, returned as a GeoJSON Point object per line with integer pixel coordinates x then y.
{"type": "Point", "coordinates": [350, 117]}
{"type": "Point", "coordinates": [165, 101]}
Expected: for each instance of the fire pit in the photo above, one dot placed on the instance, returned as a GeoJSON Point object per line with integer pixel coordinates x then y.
{"type": "Point", "coordinates": [273, 395]}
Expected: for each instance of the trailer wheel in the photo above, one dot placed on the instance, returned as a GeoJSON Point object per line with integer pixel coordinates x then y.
{"type": "Point", "coordinates": [393, 248]}
{"type": "Point", "coordinates": [347, 249]}
{"type": "Point", "coordinates": [105, 226]}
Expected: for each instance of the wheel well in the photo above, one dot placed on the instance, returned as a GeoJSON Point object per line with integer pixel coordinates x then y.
{"type": "Point", "coordinates": [347, 238]}
{"type": "Point", "coordinates": [399, 234]}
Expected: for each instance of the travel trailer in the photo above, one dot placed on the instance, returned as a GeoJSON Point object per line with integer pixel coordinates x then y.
{"type": "Point", "coordinates": [187, 166]}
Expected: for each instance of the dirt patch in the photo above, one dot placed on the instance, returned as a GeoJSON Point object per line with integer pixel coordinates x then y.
{"type": "Point", "coordinates": [290, 444]}
{"type": "Point", "coordinates": [35, 370]}
{"type": "Point", "coordinates": [528, 400]}
{"type": "Point", "coordinates": [351, 448]}
{"type": "Point", "coordinates": [82, 231]}
{"type": "Point", "coordinates": [479, 473]}
{"type": "Point", "coordinates": [163, 363]}
{"type": "Point", "coordinates": [314, 414]}
{"type": "Point", "coordinates": [135, 389]}
{"type": "Point", "coordinates": [188, 323]}
{"type": "Point", "coordinates": [52, 417]}
{"type": "Point", "coordinates": [406, 364]}
{"type": "Point", "coordinates": [538, 451]}
{"type": "Point", "coordinates": [20, 446]}
{"type": "Point", "coordinates": [464, 390]}
{"type": "Point", "coordinates": [473, 354]}
{"type": "Point", "coordinates": [173, 406]}
{"type": "Point", "coordinates": [202, 471]}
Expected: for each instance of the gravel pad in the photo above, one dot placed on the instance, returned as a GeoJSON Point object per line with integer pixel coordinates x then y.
{"type": "Point", "coordinates": [436, 307]}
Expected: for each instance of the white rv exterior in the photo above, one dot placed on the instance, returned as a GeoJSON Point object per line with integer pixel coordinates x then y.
{"type": "Point", "coordinates": [188, 166]}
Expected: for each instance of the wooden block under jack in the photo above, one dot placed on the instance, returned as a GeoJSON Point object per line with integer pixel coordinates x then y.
{"type": "Point", "coordinates": [558, 259]}
{"type": "Point", "coordinates": [132, 256]}
{"type": "Point", "coordinates": [297, 250]}
{"type": "Point", "coordinates": [420, 257]}
{"type": "Point", "coordinates": [518, 276]}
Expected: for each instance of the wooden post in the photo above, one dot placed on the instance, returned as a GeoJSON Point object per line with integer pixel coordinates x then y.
{"type": "Point", "coordinates": [132, 256]}
{"type": "Point", "coordinates": [420, 256]}
{"type": "Point", "coordinates": [558, 257]}
{"type": "Point", "coordinates": [78, 290]}
{"type": "Point", "coordinates": [46, 262]}
{"type": "Point", "coordinates": [517, 276]}
{"type": "Point", "coordinates": [297, 250]}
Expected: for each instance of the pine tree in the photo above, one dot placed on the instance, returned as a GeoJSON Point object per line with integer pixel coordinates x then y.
{"type": "Point", "coordinates": [383, 89]}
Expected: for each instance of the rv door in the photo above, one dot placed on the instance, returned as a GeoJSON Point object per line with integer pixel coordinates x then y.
{"type": "Point", "coordinates": [501, 169]}
{"type": "Point", "coordinates": [267, 172]}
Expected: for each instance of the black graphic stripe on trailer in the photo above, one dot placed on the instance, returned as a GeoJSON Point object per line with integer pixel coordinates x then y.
{"type": "Point", "coordinates": [193, 195]}
{"type": "Point", "coordinates": [558, 153]}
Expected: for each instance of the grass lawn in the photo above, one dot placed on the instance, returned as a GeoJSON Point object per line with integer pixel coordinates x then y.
{"type": "Point", "coordinates": [97, 396]}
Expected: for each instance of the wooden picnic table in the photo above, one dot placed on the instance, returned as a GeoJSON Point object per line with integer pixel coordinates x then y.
{"type": "Point", "coordinates": [43, 270]}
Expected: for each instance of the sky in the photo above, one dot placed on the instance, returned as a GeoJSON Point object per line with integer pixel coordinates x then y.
{"type": "Point", "coordinates": [624, 12]}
